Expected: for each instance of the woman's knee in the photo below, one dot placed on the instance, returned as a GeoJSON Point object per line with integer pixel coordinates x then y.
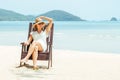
{"type": "Point", "coordinates": [36, 48]}
{"type": "Point", "coordinates": [34, 43]}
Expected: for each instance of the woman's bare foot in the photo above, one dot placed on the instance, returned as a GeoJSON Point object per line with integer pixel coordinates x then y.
{"type": "Point", "coordinates": [22, 62]}
{"type": "Point", "coordinates": [35, 67]}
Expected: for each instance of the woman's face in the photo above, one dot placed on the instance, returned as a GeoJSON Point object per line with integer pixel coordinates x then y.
{"type": "Point", "coordinates": [40, 26]}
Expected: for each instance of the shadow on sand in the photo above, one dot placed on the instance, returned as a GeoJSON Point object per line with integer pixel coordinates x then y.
{"type": "Point", "coordinates": [27, 71]}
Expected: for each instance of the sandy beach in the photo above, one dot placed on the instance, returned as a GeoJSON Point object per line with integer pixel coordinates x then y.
{"type": "Point", "coordinates": [67, 65]}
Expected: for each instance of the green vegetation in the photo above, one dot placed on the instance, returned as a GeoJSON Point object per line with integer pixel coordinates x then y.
{"type": "Point", "coordinates": [113, 19]}
{"type": "Point", "coordinates": [6, 15]}
{"type": "Point", "coordinates": [57, 15]}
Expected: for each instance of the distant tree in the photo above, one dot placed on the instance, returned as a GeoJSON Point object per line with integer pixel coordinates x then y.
{"type": "Point", "coordinates": [113, 19]}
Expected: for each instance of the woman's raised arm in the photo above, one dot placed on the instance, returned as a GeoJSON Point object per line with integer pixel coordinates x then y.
{"type": "Point", "coordinates": [50, 22]}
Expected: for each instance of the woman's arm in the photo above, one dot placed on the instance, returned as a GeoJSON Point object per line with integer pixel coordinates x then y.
{"type": "Point", "coordinates": [29, 40]}
{"type": "Point", "coordinates": [50, 22]}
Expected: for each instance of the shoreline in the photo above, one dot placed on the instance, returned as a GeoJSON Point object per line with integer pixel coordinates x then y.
{"type": "Point", "coordinates": [67, 65]}
{"type": "Point", "coordinates": [68, 50]}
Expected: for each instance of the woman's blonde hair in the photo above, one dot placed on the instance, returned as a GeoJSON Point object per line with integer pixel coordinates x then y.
{"type": "Point", "coordinates": [35, 25]}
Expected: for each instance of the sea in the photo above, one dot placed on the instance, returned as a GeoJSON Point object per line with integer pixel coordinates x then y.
{"type": "Point", "coordinates": [89, 36]}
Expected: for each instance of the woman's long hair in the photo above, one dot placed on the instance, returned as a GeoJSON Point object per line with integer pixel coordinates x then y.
{"type": "Point", "coordinates": [43, 29]}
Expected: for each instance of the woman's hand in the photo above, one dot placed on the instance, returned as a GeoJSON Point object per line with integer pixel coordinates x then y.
{"type": "Point", "coordinates": [46, 18]}
{"type": "Point", "coordinates": [26, 43]}
{"type": "Point", "coordinates": [42, 17]}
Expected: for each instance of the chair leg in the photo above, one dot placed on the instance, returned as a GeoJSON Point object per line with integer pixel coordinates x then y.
{"type": "Point", "coordinates": [51, 63]}
{"type": "Point", "coordinates": [20, 64]}
{"type": "Point", "coordinates": [51, 60]}
{"type": "Point", "coordinates": [48, 63]}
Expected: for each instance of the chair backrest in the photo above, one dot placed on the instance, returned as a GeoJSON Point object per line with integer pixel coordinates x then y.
{"type": "Point", "coordinates": [49, 39]}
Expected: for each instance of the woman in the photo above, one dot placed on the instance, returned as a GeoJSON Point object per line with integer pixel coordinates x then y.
{"type": "Point", "coordinates": [39, 39]}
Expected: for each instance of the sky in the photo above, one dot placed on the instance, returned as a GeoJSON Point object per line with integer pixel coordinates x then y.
{"type": "Point", "coordinates": [85, 9]}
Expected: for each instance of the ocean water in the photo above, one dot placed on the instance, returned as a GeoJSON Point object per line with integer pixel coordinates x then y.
{"type": "Point", "coordinates": [91, 36]}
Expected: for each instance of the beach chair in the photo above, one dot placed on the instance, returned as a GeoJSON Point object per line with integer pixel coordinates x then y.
{"type": "Point", "coordinates": [45, 56]}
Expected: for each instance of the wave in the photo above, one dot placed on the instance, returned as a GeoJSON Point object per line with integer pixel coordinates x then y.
{"type": "Point", "coordinates": [103, 36]}
{"type": "Point", "coordinates": [58, 34]}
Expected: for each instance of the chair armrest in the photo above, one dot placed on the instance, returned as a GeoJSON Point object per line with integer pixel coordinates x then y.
{"type": "Point", "coordinates": [24, 47]}
{"type": "Point", "coordinates": [22, 43]}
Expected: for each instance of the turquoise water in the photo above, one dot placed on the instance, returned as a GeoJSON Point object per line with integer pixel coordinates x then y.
{"type": "Point", "coordinates": [101, 36]}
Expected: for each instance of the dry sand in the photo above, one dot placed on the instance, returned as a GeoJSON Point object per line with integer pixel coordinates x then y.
{"type": "Point", "coordinates": [67, 65]}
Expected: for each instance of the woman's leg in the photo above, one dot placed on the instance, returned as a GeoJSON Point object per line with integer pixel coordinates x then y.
{"type": "Point", "coordinates": [33, 50]}
{"type": "Point", "coordinates": [30, 52]}
{"type": "Point", "coordinates": [35, 56]}
{"type": "Point", "coordinates": [35, 53]}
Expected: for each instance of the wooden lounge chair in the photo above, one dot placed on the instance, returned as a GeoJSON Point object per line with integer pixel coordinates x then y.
{"type": "Point", "coordinates": [47, 55]}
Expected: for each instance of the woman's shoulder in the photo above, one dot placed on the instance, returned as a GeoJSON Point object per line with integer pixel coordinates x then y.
{"type": "Point", "coordinates": [33, 32]}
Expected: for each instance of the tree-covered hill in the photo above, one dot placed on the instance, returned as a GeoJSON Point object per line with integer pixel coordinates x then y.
{"type": "Point", "coordinates": [57, 15]}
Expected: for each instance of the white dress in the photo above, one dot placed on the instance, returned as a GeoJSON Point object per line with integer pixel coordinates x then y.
{"type": "Point", "coordinates": [41, 38]}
